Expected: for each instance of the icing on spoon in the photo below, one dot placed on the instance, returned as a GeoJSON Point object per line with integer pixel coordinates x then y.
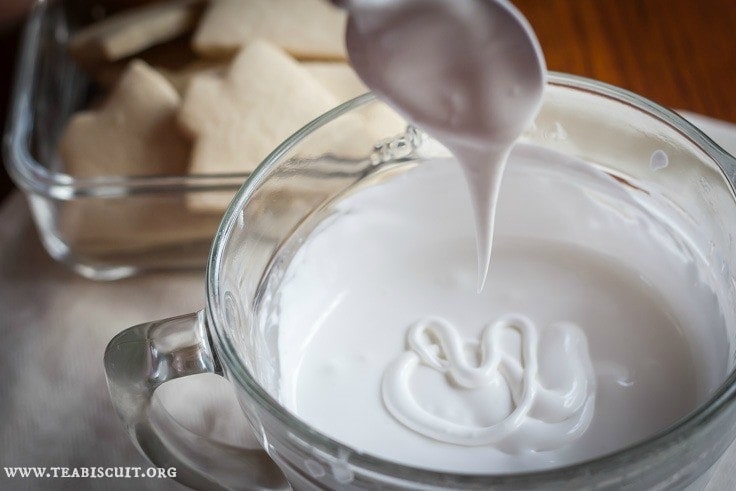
{"type": "Point", "coordinates": [468, 72]}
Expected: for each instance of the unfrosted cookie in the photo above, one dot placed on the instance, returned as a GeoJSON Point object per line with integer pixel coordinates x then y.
{"type": "Point", "coordinates": [337, 77]}
{"type": "Point", "coordinates": [238, 119]}
{"type": "Point", "coordinates": [169, 57]}
{"type": "Point", "coordinates": [180, 78]}
{"type": "Point", "coordinates": [134, 132]}
{"type": "Point", "coordinates": [132, 31]}
{"type": "Point", "coordinates": [306, 29]}
{"type": "Point", "coordinates": [342, 82]}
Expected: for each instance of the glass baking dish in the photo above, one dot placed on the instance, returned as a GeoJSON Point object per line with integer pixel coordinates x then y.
{"type": "Point", "coordinates": [105, 227]}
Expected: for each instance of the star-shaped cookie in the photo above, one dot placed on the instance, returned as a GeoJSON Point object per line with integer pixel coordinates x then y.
{"type": "Point", "coordinates": [238, 119]}
{"type": "Point", "coordinates": [134, 133]}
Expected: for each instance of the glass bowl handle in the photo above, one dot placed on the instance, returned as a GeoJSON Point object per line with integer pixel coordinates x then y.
{"type": "Point", "coordinates": [143, 357]}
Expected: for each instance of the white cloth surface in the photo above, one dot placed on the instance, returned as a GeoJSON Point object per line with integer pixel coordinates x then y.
{"type": "Point", "coordinates": [54, 326]}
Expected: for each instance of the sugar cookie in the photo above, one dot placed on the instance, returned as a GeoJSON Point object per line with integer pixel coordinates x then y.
{"type": "Point", "coordinates": [306, 29]}
{"type": "Point", "coordinates": [132, 31]}
{"type": "Point", "coordinates": [134, 132]}
{"type": "Point", "coordinates": [237, 120]}
{"type": "Point", "coordinates": [343, 83]}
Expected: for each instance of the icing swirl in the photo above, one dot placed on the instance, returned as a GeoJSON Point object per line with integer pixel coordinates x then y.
{"type": "Point", "coordinates": [542, 418]}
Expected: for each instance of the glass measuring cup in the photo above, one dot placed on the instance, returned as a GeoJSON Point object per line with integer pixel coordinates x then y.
{"type": "Point", "coordinates": [617, 130]}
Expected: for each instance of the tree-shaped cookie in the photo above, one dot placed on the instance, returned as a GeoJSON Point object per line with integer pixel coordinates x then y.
{"type": "Point", "coordinates": [134, 132]}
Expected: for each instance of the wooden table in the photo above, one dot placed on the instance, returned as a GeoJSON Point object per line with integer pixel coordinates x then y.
{"type": "Point", "coordinates": [679, 53]}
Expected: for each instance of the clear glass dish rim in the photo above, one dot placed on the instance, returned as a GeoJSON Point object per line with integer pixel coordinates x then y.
{"type": "Point", "coordinates": [723, 397]}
